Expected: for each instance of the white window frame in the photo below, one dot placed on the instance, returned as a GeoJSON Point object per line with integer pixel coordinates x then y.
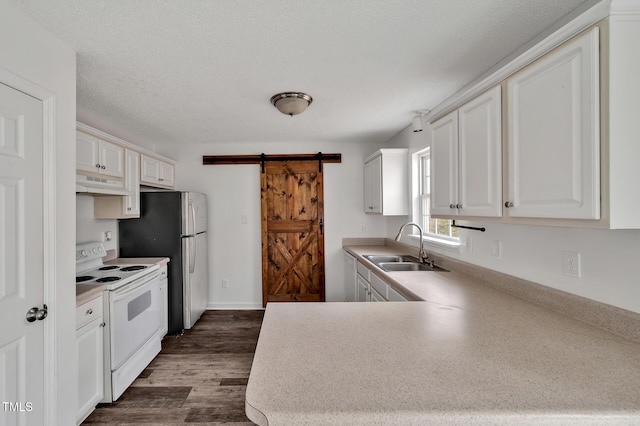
{"type": "Point", "coordinates": [421, 192]}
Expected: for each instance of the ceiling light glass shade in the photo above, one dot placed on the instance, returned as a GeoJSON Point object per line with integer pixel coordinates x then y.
{"type": "Point", "coordinates": [417, 123]}
{"type": "Point", "coordinates": [291, 103]}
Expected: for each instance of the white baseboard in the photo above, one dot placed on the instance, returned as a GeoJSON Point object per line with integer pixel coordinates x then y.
{"type": "Point", "coordinates": [238, 306]}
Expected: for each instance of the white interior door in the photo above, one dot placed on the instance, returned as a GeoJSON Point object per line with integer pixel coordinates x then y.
{"type": "Point", "coordinates": [21, 276]}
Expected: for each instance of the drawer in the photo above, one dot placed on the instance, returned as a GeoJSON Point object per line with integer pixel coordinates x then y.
{"type": "Point", "coordinates": [89, 311]}
{"type": "Point", "coordinates": [395, 296]}
{"type": "Point", "coordinates": [380, 286]}
{"type": "Point", "coordinates": [364, 271]}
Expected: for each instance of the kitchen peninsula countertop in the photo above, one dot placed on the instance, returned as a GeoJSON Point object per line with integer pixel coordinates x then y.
{"type": "Point", "coordinates": [466, 354]}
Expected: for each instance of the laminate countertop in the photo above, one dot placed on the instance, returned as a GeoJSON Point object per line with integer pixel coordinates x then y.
{"type": "Point", "coordinates": [466, 354]}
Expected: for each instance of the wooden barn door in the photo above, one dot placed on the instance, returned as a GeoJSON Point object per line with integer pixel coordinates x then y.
{"type": "Point", "coordinates": [292, 232]}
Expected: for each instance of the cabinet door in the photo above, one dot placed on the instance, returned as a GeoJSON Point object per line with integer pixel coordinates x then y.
{"type": "Point", "coordinates": [89, 349]}
{"type": "Point", "coordinates": [111, 159]}
{"type": "Point", "coordinates": [553, 134]}
{"type": "Point", "coordinates": [132, 183]}
{"type": "Point", "coordinates": [349, 278]}
{"type": "Point", "coordinates": [376, 297]}
{"type": "Point", "coordinates": [444, 165]}
{"type": "Point", "coordinates": [150, 170]}
{"type": "Point", "coordinates": [394, 296]}
{"type": "Point", "coordinates": [87, 152]}
{"type": "Point", "coordinates": [373, 186]}
{"type": "Point", "coordinates": [165, 174]}
{"type": "Point", "coordinates": [480, 156]}
{"type": "Point", "coordinates": [164, 291]}
{"type": "Point", "coordinates": [362, 289]}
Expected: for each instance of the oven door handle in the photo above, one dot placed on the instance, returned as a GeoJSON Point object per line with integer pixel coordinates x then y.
{"type": "Point", "coordinates": [126, 290]}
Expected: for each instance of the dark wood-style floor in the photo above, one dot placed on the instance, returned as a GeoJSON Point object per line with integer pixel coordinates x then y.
{"type": "Point", "coordinates": [199, 377]}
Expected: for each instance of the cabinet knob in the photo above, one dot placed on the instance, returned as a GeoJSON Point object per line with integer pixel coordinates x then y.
{"type": "Point", "coordinates": [129, 208]}
{"type": "Point", "coordinates": [508, 204]}
{"type": "Point", "coordinates": [451, 206]}
{"type": "Point", "coordinates": [103, 167]}
{"type": "Point", "coordinates": [98, 165]}
{"type": "Point", "coordinates": [458, 206]}
{"type": "Point", "coordinates": [89, 312]}
{"type": "Point", "coordinates": [161, 180]}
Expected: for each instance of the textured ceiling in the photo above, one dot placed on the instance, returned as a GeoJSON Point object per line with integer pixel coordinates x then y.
{"type": "Point", "coordinates": [202, 71]}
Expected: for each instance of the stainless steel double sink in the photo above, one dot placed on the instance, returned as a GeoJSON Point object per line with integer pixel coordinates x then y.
{"type": "Point", "coordinates": [392, 263]}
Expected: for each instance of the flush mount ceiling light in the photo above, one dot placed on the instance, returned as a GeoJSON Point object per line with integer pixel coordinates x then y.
{"type": "Point", "coordinates": [291, 103]}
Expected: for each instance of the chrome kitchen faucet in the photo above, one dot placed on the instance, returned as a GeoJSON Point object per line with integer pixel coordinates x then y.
{"type": "Point", "coordinates": [422, 255]}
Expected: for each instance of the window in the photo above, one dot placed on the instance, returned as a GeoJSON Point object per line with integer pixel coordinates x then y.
{"type": "Point", "coordinates": [439, 229]}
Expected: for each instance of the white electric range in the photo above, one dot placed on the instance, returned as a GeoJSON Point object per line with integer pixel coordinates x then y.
{"type": "Point", "coordinates": [91, 270]}
{"type": "Point", "coordinates": [132, 311]}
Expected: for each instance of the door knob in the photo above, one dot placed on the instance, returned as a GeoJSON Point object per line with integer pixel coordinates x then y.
{"type": "Point", "coordinates": [37, 314]}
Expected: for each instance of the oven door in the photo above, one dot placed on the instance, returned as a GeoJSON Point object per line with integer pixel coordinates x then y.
{"type": "Point", "coordinates": [135, 315]}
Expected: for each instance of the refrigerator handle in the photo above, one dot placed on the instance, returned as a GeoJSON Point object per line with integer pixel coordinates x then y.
{"type": "Point", "coordinates": [192, 210]}
{"type": "Point", "coordinates": [192, 254]}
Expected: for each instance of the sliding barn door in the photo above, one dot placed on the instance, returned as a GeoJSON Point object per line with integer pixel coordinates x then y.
{"type": "Point", "coordinates": [292, 232]}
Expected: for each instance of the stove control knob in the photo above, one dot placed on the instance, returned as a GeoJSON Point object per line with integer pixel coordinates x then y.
{"type": "Point", "coordinates": [83, 253]}
{"type": "Point", "coordinates": [100, 249]}
{"type": "Point", "coordinates": [95, 250]}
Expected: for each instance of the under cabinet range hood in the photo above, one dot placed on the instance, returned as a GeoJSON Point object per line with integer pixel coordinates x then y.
{"type": "Point", "coordinates": [99, 185]}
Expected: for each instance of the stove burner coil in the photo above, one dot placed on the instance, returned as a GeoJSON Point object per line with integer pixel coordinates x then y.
{"type": "Point", "coordinates": [107, 279]}
{"type": "Point", "coordinates": [108, 268]}
{"type": "Point", "coordinates": [132, 268]}
{"type": "Point", "coordinates": [84, 278]}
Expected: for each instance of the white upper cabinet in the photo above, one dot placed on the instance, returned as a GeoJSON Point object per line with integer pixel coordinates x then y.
{"type": "Point", "coordinates": [444, 165]}
{"type": "Point", "coordinates": [157, 173]}
{"type": "Point", "coordinates": [98, 156]}
{"type": "Point", "coordinates": [386, 182]}
{"type": "Point", "coordinates": [373, 185]}
{"type": "Point", "coordinates": [554, 134]}
{"type": "Point", "coordinates": [124, 206]}
{"type": "Point", "coordinates": [132, 183]}
{"type": "Point", "coordinates": [466, 159]}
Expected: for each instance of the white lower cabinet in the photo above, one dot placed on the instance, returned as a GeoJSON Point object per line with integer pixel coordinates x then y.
{"type": "Point", "coordinates": [375, 296]}
{"type": "Point", "coordinates": [350, 274]}
{"type": "Point", "coordinates": [394, 296]}
{"type": "Point", "coordinates": [89, 350]}
{"type": "Point", "coordinates": [164, 291]}
{"type": "Point", "coordinates": [370, 287]}
{"type": "Point", "coordinates": [362, 289]}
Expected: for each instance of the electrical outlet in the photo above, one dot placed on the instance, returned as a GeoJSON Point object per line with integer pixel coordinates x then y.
{"type": "Point", "coordinates": [496, 249]}
{"type": "Point", "coordinates": [571, 263]}
{"type": "Point", "coordinates": [225, 283]}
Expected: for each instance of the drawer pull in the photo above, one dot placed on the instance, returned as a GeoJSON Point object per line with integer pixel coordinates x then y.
{"type": "Point", "coordinates": [89, 312]}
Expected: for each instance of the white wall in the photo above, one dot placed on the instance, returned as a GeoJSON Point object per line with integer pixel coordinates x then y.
{"type": "Point", "coordinates": [89, 229]}
{"type": "Point", "coordinates": [234, 191]}
{"type": "Point", "coordinates": [35, 55]}
{"type": "Point", "coordinates": [609, 258]}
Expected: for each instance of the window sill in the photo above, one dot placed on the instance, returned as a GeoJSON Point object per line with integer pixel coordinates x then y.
{"type": "Point", "coordinates": [452, 246]}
